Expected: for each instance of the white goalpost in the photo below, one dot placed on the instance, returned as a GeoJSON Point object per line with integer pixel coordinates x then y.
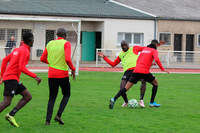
{"type": "Point", "coordinates": [38, 25]}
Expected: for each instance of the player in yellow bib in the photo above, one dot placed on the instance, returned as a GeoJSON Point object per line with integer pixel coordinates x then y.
{"type": "Point", "coordinates": [128, 57]}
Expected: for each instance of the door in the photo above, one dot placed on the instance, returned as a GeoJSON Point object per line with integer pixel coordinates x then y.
{"type": "Point", "coordinates": [189, 47]}
{"type": "Point", "coordinates": [88, 46]}
{"type": "Point", "coordinates": [98, 42]}
{"type": "Point", "coordinates": [178, 46]}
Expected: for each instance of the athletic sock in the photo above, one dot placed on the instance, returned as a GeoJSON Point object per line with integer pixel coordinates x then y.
{"type": "Point", "coordinates": [142, 90]}
{"type": "Point", "coordinates": [154, 91]}
{"type": "Point", "coordinates": [125, 98]}
{"type": "Point", "coordinates": [13, 112]}
{"type": "Point", "coordinates": [120, 92]}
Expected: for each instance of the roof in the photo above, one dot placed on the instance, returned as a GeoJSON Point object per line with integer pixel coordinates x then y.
{"type": "Point", "coordinates": [168, 9]}
{"type": "Point", "coordinates": [70, 8]}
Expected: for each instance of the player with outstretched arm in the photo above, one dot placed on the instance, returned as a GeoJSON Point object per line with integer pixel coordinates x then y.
{"type": "Point", "coordinates": [128, 56]}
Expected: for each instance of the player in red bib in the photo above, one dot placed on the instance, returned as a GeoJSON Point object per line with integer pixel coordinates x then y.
{"type": "Point", "coordinates": [141, 71]}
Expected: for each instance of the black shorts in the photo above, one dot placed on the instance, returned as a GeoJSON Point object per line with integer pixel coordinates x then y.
{"type": "Point", "coordinates": [12, 87]}
{"type": "Point", "coordinates": [135, 77]}
{"type": "Point", "coordinates": [127, 75]}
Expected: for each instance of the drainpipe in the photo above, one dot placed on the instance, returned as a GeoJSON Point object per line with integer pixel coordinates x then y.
{"type": "Point", "coordinates": [155, 28]}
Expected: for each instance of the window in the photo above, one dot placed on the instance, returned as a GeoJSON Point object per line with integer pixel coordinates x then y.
{"type": "Point", "coordinates": [165, 37]}
{"type": "Point", "coordinates": [50, 35]}
{"type": "Point", "coordinates": [131, 38]}
{"type": "Point", "coordinates": [2, 34]}
{"type": "Point", "coordinates": [120, 37]}
{"type": "Point", "coordinates": [198, 41]}
{"type": "Point", "coordinates": [11, 32]}
{"type": "Point", "coordinates": [71, 36]}
{"type": "Point", "coordinates": [138, 38]}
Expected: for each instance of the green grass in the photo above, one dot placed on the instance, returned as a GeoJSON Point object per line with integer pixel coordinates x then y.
{"type": "Point", "coordinates": [87, 111]}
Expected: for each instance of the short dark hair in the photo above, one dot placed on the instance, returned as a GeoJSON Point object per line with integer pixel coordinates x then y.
{"type": "Point", "coordinates": [61, 32]}
{"type": "Point", "coordinates": [27, 37]}
{"type": "Point", "coordinates": [123, 42]}
{"type": "Point", "coordinates": [154, 42]}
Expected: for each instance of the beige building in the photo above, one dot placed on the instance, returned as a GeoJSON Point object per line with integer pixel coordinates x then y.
{"type": "Point", "coordinates": [102, 27]}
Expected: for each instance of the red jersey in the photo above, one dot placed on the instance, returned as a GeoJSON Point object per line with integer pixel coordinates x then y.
{"type": "Point", "coordinates": [136, 50]}
{"type": "Point", "coordinates": [18, 60]}
{"type": "Point", "coordinates": [56, 73]}
{"type": "Point", "coordinates": [145, 60]}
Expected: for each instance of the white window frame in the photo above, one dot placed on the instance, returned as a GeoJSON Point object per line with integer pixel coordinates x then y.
{"type": "Point", "coordinates": [198, 37]}
{"type": "Point", "coordinates": [132, 38]}
{"type": "Point", "coordinates": [163, 40]}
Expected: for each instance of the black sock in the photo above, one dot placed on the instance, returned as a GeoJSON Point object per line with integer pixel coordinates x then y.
{"type": "Point", "coordinates": [120, 92]}
{"type": "Point", "coordinates": [142, 90]}
{"type": "Point", "coordinates": [125, 98]}
{"type": "Point", "coordinates": [154, 91]}
{"type": "Point", "coordinates": [13, 112]}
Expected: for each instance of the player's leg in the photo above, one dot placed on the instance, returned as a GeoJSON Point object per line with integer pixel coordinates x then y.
{"type": "Point", "coordinates": [124, 80]}
{"type": "Point", "coordinates": [153, 95]}
{"type": "Point", "coordinates": [10, 87]}
{"type": "Point", "coordinates": [9, 90]}
{"type": "Point", "coordinates": [142, 92]}
{"type": "Point", "coordinates": [5, 103]}
{"type": "Point", "coordinates": [26, 97]}
{"type": "Point", "coordinates": [133, 80]}
{"type": "Point", "coordinates": [151, 79]}
{"type": "Point", "coordinates": [53, 91]}
{"type": "Point", "coordinates": [65, 86]}
{"type": "Point", "coordinates": [122, 86]}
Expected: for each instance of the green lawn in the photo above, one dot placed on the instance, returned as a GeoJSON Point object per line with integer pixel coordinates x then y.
{"type": "Point", "coordinates": [87, 111]}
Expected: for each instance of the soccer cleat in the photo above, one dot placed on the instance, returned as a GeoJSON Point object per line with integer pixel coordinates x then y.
{"type": "Point", "coordinates": [125, 105]}
{"type": "Point", "coordinates": [112, 102]}
{"type": "Point", "coordinates": [58, 119]}
{"type": "Point", "coordinates": [11, 120]}
{"type": "Point", "coordinates": [154, 104]}
{"type": "Point", "coordinates": [141, 103]}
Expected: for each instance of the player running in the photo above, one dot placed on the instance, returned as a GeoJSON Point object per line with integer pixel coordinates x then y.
{"type": "Point", "coordinates": [144, 63]}
{"type": "Point", "coordinates": [11, 68]}
{"type": "Point", "coordinates": [58, 55]}
{"type": "Point", "coordinates": [128, 57]}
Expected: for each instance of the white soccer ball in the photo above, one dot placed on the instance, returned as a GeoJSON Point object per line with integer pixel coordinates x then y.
{"type": "Point", "coordinates": [132, 103]}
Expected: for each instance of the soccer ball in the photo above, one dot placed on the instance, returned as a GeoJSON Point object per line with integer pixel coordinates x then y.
{"type": "Point", "coordinates": [132, 103]}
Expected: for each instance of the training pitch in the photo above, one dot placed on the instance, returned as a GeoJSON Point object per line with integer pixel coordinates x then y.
{"type": "Point", "coordinates": [88, 112]}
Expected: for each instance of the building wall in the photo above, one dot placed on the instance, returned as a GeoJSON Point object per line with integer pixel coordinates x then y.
{"type": "Point", "coordinates": [179, 27]}
{"type": "Point", "coordinates": [113, 26]}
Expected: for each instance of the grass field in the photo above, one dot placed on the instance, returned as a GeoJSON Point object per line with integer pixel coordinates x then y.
{"type": "Point", "coordinates": [87, 111]}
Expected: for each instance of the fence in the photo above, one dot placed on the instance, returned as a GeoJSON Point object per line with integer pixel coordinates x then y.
{"type": "Point", "coordinates": [169, 59]}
